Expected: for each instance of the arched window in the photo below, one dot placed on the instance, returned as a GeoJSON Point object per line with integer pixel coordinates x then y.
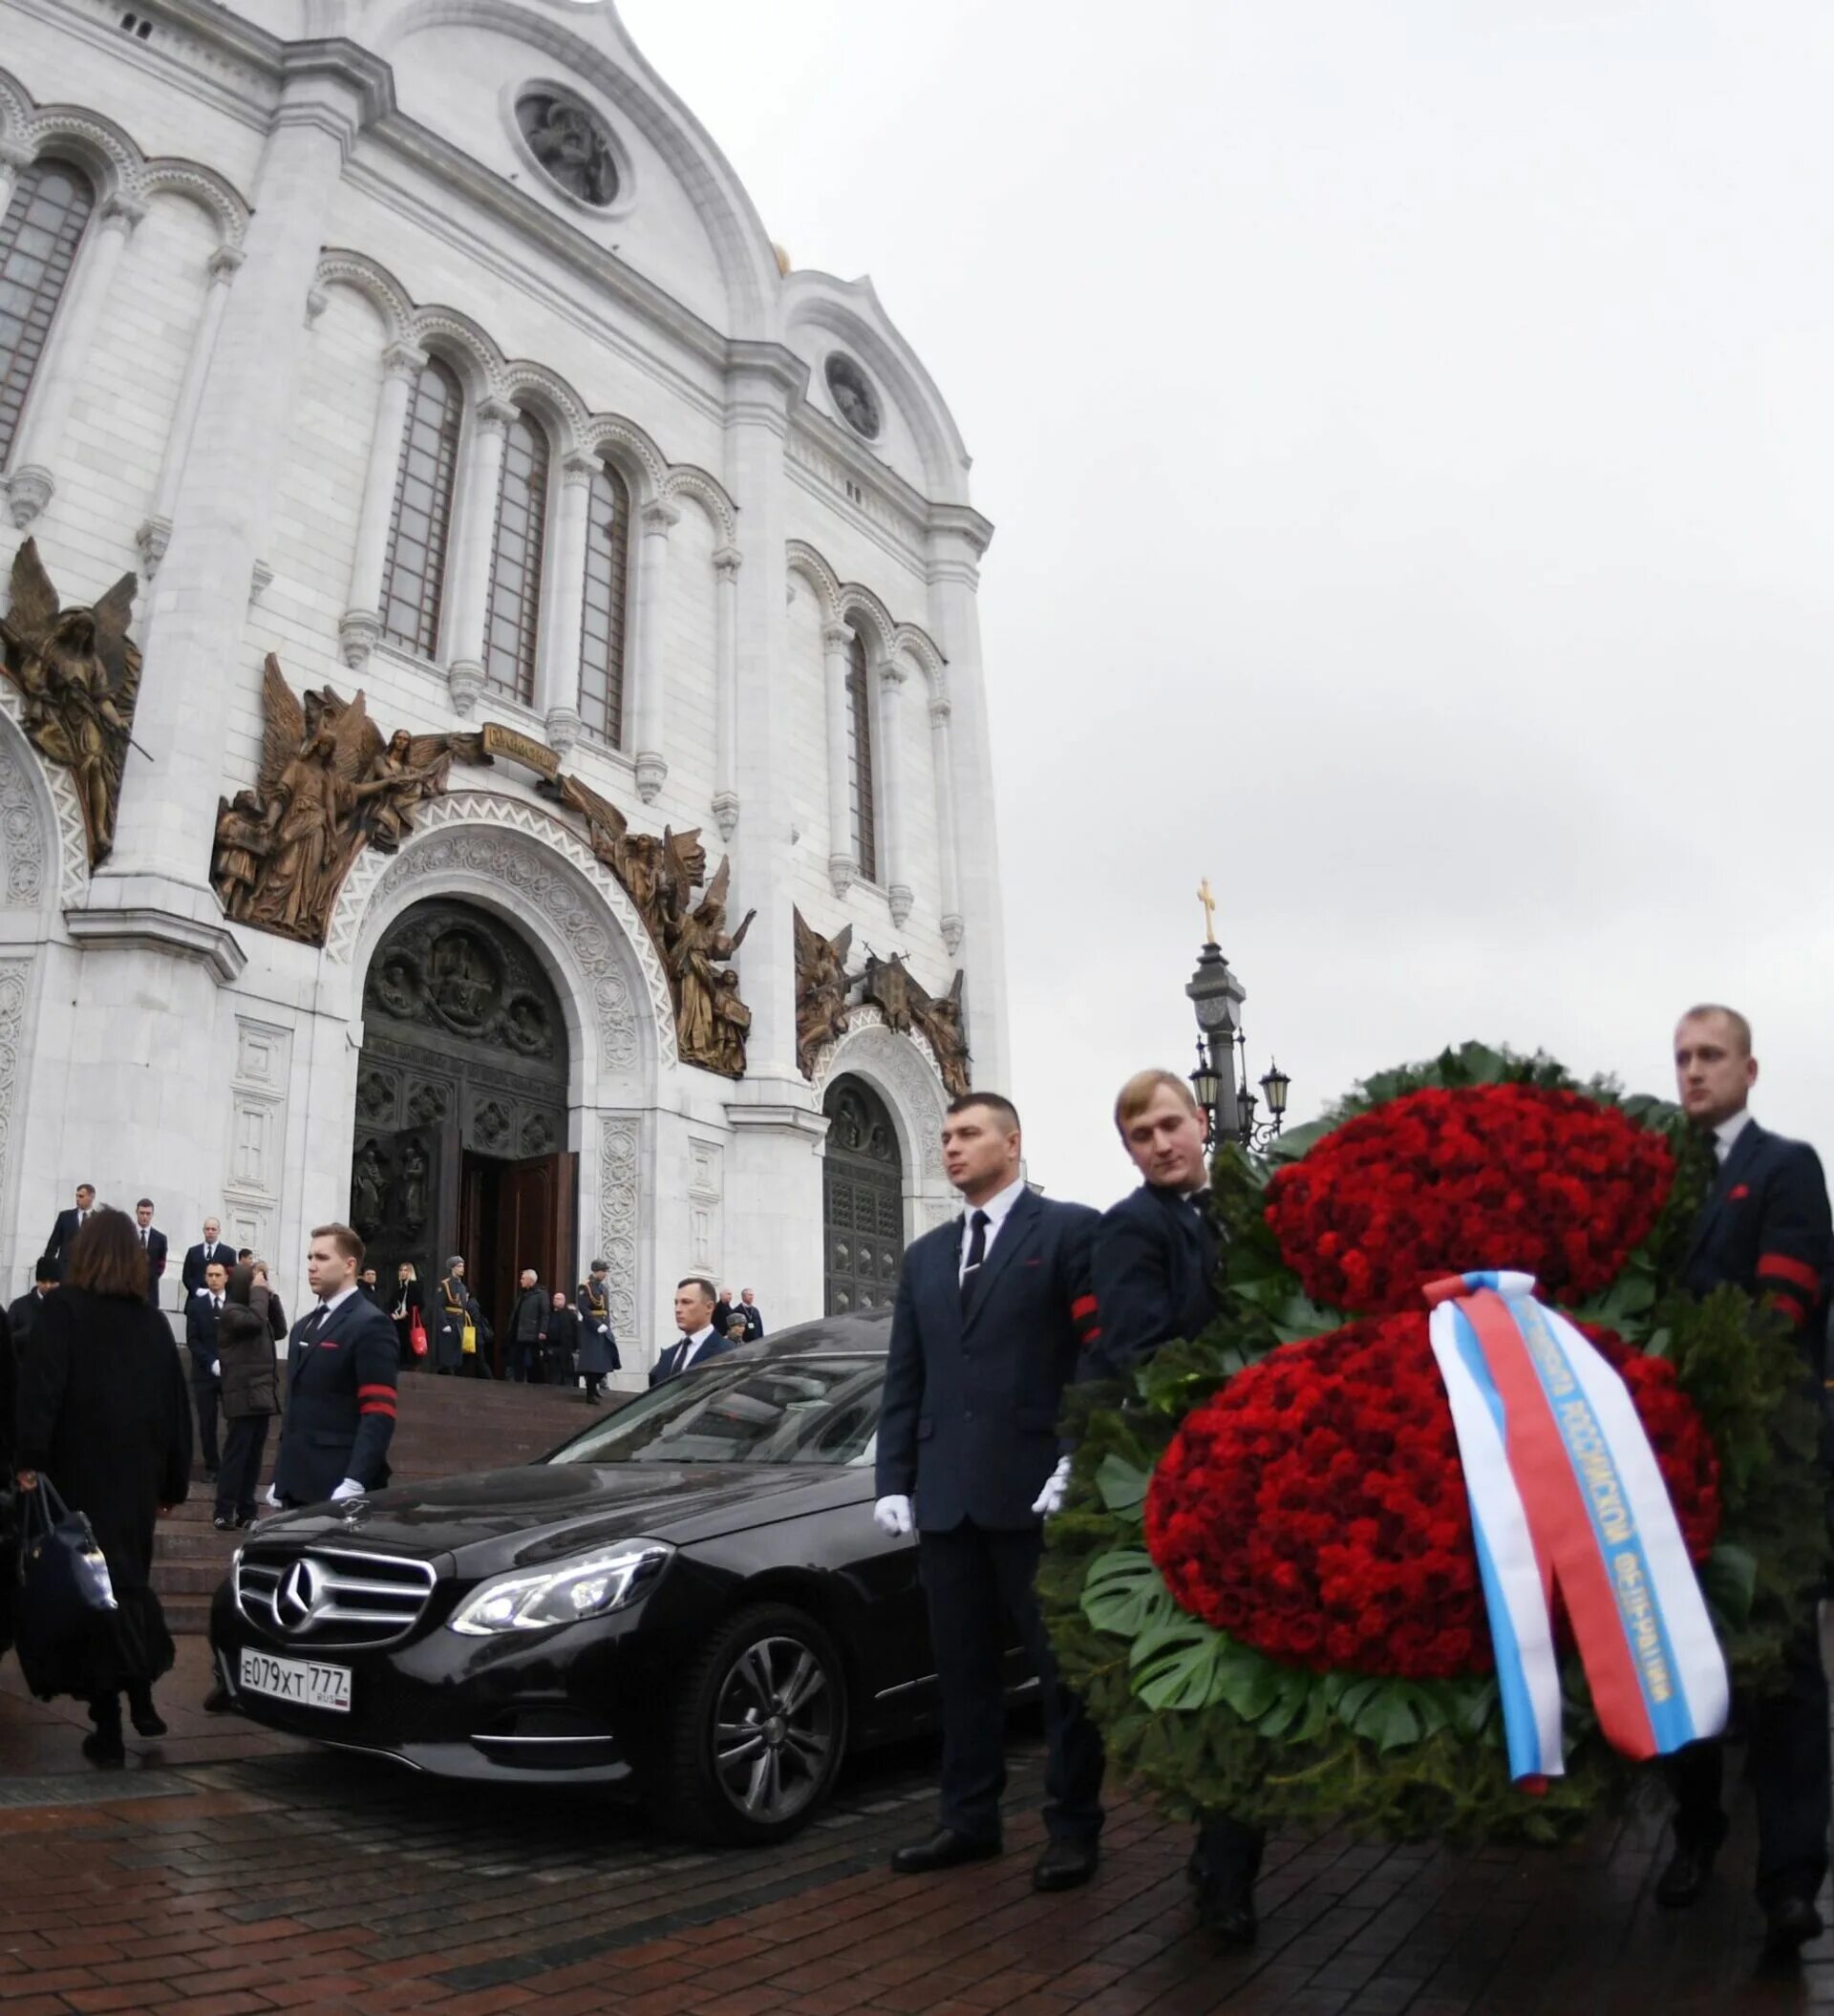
{"type": "Point", "coordinates": [865, 822]}
{"type": "Point", "coordinates": [608, 556]}
{"type": "Point", "coordinates": [38, 238]}
{"type": "Point", "coordinates": [513, 612]}
{"type": "Point", "coordinates": [413, 574]}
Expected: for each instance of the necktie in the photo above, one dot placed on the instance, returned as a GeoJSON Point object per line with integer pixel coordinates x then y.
{"type": "Point", "coordinates": [143, 1235]}
{"type": "Point", "coordinates": [683, 1350]}
{"type": "Point", "coordinates": [218, 1299]}
{"type": "Point", "coordinates": [976, 1253]}
{"type": "Point", "coordinates": [314, 1323]}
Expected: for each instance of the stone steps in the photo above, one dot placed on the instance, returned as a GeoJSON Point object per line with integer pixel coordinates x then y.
{"type": "Point", "coordinates": [444, 1428]}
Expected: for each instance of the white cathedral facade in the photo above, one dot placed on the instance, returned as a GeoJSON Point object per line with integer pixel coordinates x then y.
{"type": "Point", "coordinates": [431, 350]}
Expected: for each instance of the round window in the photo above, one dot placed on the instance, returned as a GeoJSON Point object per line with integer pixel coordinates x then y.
{"type": "Point", "coordinates": [570, 142]}
{"type": "Point", "coordinates": [855, 399]}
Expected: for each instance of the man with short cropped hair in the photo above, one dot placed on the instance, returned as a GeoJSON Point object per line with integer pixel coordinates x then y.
{"type": "Point", "coordinates": [201, 1314]}
{"type": "Point", "coordinates": [153, 1244]}
{"type": "Point", "coordinates": [211, 1247]}
{"type": "Point", "coordinates": [527, 1321]}
{"type": "Point", "coordinates": [70, 1222]}
{"type": "Point", "coordinates": [1765, 1228]}
{"type": "Point", "coordinates": [1155, 1271]}
{"type": "Point", "coordinates": [989, 1317]}
{"type": "Point", "coordinates": [343, 1363]}
{"type": "Point", "coordinates": [699, 1339]}
{"type": "Point", "coordinates": [753, 1316]}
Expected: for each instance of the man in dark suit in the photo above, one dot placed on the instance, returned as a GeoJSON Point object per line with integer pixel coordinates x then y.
{"type": "Point", "coordinates": [722, 1311]}
{"type": "Point", "coordinates": [1764, 1228]}
{"type": "Point", "coordinates": [700, 1341]}
{"type": "Point", "coordinates": [210, 1247]}
{"type": "Point", "coordinates": [989, 1313]}
{"type": "Point", "coordinates": [753, 1316]}
{"type": "Point", "coordinates": [68, 1222]}
{"type": "Point", "coordinates": [201, 1315]}
{"type": "Point", "coordinates": [372, 1288]}
{"type": "Point", "coordinates": [527, 1319]}
{"type": "Point", "coordinates": [343, 1361]}
{"type": "Point", "coordinates": [22, 1314]}
{"type": "Point", "coordinates": [153, 1244]}
{"type": "Point", "coordinates": [1154, 1279]}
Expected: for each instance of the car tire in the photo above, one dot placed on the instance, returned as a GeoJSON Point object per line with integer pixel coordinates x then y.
{"type": "Point", "coordinates": [758, 1730]}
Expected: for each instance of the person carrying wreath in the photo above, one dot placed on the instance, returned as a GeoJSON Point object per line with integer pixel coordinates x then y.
{"type": "Point", "coordinates": [1155, 1267]}
{"type": "Point", "coordinates": [1764, 1228]}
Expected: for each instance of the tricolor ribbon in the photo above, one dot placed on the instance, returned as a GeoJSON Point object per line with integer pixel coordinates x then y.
{"type": "Point", "coordinates": [1566, 1493]}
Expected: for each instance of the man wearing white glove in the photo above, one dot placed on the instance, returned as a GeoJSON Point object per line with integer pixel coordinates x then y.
{"type": "Point", "coordinates": [343, 1359]}
{"type": "Point", "coordinates": [990, 1313]}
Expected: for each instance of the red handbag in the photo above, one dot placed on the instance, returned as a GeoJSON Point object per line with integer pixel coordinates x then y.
{"type": "Point", "coordinates": [417, 1335]}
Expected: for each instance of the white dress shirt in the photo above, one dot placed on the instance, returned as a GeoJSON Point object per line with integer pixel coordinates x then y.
{"type": "Point", "coordinates": [342, 1296]}
{"type": "Point", "coordinates": [695, 1343]}
{"type": "Point", "coordinates": [997, 1209]}
{"type": "Point", "coordinates": [1728, 1132]}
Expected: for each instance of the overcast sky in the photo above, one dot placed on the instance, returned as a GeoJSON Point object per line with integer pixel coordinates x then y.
{"type": "Point", "coordinates": [1408, 431]}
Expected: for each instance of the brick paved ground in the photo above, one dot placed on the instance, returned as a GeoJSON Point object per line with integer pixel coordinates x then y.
{"type": "Point", "coordinates": [305, 1882]}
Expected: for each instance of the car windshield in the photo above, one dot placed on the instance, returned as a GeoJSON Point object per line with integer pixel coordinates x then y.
{"type": "Point", "coordinates": [770, 1410]}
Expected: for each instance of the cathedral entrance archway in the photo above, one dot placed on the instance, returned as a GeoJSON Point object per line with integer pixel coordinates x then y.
{"type": "Point", "coordinates": [862, 1199]}
{"type": "Point", "coordinates": [461, 1140]}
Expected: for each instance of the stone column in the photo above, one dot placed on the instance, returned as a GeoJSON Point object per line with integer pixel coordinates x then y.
{"type": "Point", "coordinates": [66, 358]}
{"type": "Point", "coordinates": [727, 562]}
{"type": "Point", "coordinates": [155, 534]}
{"type": "Point", "coordinates": [959, 535]}
{"type": "Point", "coordinates": [15, 157]}
{"type": "Point", "coordinates": [360, 627]}
{"type": "Point", "coordinates": [557, 678]}
{"type": "Point", "coordinates": [470, 589]}
{"type": "Point", "coordinates": [949, 872]}
{"type": "Point", "coordinates": [843, 853]}
{"type": "Point", "coordinates": [896, 870]}
{"type": "Point", "coordinates": [658, 518]}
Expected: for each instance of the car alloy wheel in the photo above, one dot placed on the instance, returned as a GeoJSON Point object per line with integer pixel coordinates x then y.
{"type": "Point", "coordinates": [760, 1730]}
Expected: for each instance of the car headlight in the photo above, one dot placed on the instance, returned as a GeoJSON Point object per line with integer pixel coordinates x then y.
{"type": "Point", "coordinates": [591, 1587]}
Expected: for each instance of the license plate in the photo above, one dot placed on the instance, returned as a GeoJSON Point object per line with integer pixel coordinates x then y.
{"type": "Point", "coordinates": [302, 1682]}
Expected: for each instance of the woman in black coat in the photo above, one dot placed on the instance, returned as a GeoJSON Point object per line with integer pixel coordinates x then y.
{"type": "Point", "coordinates": [105, 1414]}
{"type": "Point", "coordinates": [409, 1302]}
{"type": "Point", "coordinates": [251, 1394]}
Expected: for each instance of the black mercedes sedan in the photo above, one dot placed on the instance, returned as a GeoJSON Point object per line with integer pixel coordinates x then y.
{"type": "Point", "coordinates": [688, 1601]}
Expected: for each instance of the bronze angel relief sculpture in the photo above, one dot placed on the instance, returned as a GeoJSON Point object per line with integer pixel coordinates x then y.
{"type": "Point", "coordinates": [329, 786]}
{"type": "Point", "coordinates": [822, 988]}
{"type": "Point", "coordinates": [79, 676]}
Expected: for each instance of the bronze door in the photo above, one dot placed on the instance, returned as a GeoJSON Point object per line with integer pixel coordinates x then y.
{"type": "Point", "coordinates": [863, 1201]}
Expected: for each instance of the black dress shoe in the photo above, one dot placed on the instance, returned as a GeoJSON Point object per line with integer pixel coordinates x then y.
{"type": "Point", "coordinates": [943, 1850]}
{"type": "Point", "coordinates": [1065, 1865]}
{"type": "Point", "coordinates": [1226, 1913]}
{"type": "Point", "coordinates": [216, 1701]}
{"type": "Point", "coordinates": [104, 1749]}
{"type": "Point", "coordinates": [1686, 1876]}
{"type": "Point", "coordinates": [146, 1719]}
{"type": "Point", "coordinates": [1790, 1923]}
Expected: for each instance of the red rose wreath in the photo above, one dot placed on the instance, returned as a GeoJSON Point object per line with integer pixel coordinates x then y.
{"type": "Point", "coordinates": [1266, 1582]}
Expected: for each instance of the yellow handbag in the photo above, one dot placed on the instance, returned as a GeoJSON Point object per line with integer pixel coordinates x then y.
{"type": "Point", "coordinates": [468, 1340]}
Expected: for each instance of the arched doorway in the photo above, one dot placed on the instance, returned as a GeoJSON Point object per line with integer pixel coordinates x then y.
{"type": "Point", "coordinates": [862, 1199]}
{"type": "Point", "coordinates": [460, 1141]}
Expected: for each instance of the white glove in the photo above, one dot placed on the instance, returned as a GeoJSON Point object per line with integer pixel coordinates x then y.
{"type": "Point", "coordinates": [892, 1516]}
{"type": "Point", "coordinates": [216, 1367]}
{"type": "Point", "coordinates": [349, 1488]}
{"type": "Point", "coordinates": [1050, 1500]}
{"type": "Point", "coordinates": [272, 1498]}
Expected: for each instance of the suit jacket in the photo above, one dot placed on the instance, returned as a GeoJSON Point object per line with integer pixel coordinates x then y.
{"type": "Point", "coordinates": [340, 1403]}
{"type": "Point", "coordinates": [722, 1316]}
{"type": "Point", "coordinates": [63, 1234]}
{"type": "Point", "coordinates": [666, 1366]}
{"type": "Point", "coordinates": [199, 1257]}
{"type": "Point", "coordinates": [969, 1428]}
{"type": "Point", "coordinates": [1154, 1279]}
{"type": "Point", "coordinates": [201, 1319]}
{"type": "Point", "coordinates": [753, 1321]}
{"type": "Point", "coordinates": [155, 1263]}
{"type": "Point", "coordinates": [22, 1317]}
{"type": "Point", "coordinates": [1765, 1228]}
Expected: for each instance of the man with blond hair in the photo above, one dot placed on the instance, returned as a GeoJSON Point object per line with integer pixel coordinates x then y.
{"type": "Point", "coordinates": [343, 1362]}
{"type": "Point", "coordinates": [1764, 1228]}
{"type": "Point", "coordinates": [1155, 1272]}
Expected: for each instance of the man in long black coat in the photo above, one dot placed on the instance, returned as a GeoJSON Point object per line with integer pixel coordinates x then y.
{"type": "Point", "coordinates": [342, 1368]}
{"type": "Point", "coordinates": [989, 1315]}
{"type": "Point", "coordinates": [1154, 1279]}
{"type": "Point", "coordinates": [1764, 1228]}
{"type": "Point", "coordinates": [65, 1227]}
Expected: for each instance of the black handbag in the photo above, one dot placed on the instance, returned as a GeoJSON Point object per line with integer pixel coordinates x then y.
{"type": "Point", "coordinates": [64, 1607]}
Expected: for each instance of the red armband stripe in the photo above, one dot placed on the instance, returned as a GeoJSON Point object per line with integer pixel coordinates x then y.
{"type": "Point", "coordinates": [377, 1407]}
{"type": "Point", "coordinates": [1779, 1266]}
{"type": "Point", "coordinates": [1090, 1336]}
{"type": "Point", "coordinates": [1083, 1306]}
{"type": "Point", "coordinates": [363, 1392]}
{"type": "Point", "coordinates": [1790, 1306]}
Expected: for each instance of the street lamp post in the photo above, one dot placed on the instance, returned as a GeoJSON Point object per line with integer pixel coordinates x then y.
{"type": "Point", "coordinates": [1219, 1080]}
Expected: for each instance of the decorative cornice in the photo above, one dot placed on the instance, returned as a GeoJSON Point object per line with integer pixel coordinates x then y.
{"type": "Point", "coordinates": [150, 930]}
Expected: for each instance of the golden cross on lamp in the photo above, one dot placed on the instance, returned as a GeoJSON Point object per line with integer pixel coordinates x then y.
{"type": "Point", "coordinates": [1208, 902]}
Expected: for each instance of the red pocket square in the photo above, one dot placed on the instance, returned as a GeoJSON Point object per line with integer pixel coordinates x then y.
{"type": "Point", "coordinates": [1034, 1262]}
{"type": "Point", "coordinates": [1738, 1191]}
